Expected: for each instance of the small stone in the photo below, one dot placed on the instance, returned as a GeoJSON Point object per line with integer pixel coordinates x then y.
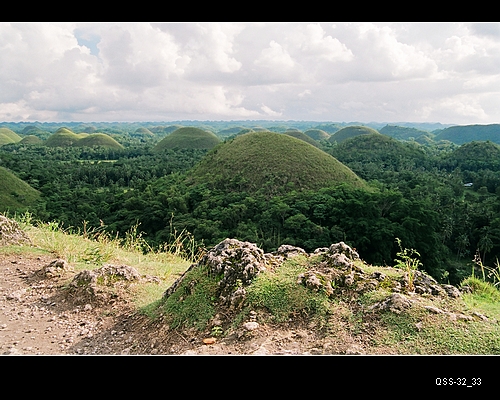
{"type": "Point", "coordinates": [251, 325]}
{"type": "Point", "coordinates": [210, 340]}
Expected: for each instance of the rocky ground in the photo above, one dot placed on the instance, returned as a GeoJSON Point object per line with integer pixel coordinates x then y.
{"type": "Point", "coordinates": [39, 317]}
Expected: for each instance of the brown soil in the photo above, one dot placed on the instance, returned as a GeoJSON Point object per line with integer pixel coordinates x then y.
{"type": "Point", "coordinates": [38, 317]}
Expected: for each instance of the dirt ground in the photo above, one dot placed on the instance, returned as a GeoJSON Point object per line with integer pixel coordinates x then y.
{"type": "Point", "coordinates": [37, 317]}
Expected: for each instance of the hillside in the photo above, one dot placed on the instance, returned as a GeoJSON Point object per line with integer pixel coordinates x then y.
{"type": "Point", "coordinates": [469, 133]}
{"type": "Point", "coordinates": [8, 136]}
{"type": "Point", "coordinates": [234, 299]}
{"type": "Point", "coordinates": [15, 194]}
{"type": "Point", "coordinates": [403, 132]}
{"type": "Point", "coordinates": [317, 134]}
{"type": "Point", "coordinates": [258, 159]}
{"type": "Point", "coordinates": [349, 132]}
{"type": "Point", "coordinates": [100, 140]}
{"type": "Point", "coordinates": [63, 137]}
{"type": "Point", "coordinates": [376, 152]}
{"type": "Point", "coordinates": [302, 136]}
{"type": "Point", "coordinates": [476, 156]}
{"type": "Point", "coordinates": [188, 138]}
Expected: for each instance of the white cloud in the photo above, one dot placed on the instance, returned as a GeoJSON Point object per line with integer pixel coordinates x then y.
{"type": "Point", "coordinates": [346, 71]}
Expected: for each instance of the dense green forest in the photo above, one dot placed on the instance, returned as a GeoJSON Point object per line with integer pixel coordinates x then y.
{"type": "Point", "coordinates": [440, 197]}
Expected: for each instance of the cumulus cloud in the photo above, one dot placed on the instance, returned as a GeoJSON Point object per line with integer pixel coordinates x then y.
{"type": "Point", "coordinates": [158, 71]}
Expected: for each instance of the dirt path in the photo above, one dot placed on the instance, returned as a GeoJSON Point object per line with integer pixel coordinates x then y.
{"type": "Point", "coordinates": [38, 318]}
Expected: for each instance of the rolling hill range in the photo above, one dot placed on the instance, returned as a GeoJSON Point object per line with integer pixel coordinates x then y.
{"type": "Point", "coordinates": [470, 133]}
{"type": "Point", "coordinates": [15, 194]}
{"type": "Point", "coordinates": [98, 139]}
{"type": "Point", "coordinates": [258, 159]}
{"type": "Point", "coordinates": [349, 132]}
{"type": "Point", "coordinates": [188, 138]}
{"type": "Point", "coordinates": [403, 132]}
{"type": "Point", "coordinates": [64, 137]}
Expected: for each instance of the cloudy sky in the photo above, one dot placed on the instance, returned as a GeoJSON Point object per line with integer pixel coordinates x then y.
{"type": "Point", "coordinates": [365, 72]}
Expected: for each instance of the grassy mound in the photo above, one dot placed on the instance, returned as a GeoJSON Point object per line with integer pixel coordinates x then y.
{"type": "Point", "coordinates": [476, 155]}
{"type": "Point", "coordinates": [63, 137]}
{"type": "Point", "coordinates": [258, 159]}
{"type": "Point", "coordinates": [317, 134]}
{"type": "Point", "coordinates": [15, 194]}
{"type": "Point", "coordinates": [8, 136]}
{"type": "Point", "coordinates": [302, 136]}
{"type": "Point", "coordinates": [349, 132]}
{"type": "Point", "coordinates": [31, 139]}
{"type": "Point", "coordinates": [469, 133]}
{"type": "Point", "coordinates": [98, 139]}
{"type": "Point", "coordinates": [188, 138]}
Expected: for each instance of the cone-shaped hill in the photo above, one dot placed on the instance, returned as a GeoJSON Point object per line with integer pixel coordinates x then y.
{"type": "Point", "coordinates": [31, 139]}
{"type": "Point", "coordinates": [100, 140]}
{"type": "Point", "coordinates": [15, 194]}
{"type": "Point", "coordinates": [378, 149]}
{"type": "Point", "coordinates": [349, 132]}
{"type": "Point", "coordinates": [8, 136]}
{"type": "Point", "coordinates": [270, 160]}
{"type": "Point", "coordinates": [317, 134]}
{"type": "Point", "coordinates": [302, 136]}
{"type": "Point", "coordinates": [476, 155]}
{"type": "Point", "coordinates": [188, 138]}
{"type": "Point", "coordinates": [63, 137]}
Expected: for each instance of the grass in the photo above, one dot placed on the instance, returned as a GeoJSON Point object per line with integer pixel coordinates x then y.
{"type": "Point", "coordinates": [91, 249]}
{"type": "Point", "coordinates": [278, 299]}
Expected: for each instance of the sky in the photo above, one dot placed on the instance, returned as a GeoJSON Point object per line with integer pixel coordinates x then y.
{"type": "Point", "coordinates": [316, 71]}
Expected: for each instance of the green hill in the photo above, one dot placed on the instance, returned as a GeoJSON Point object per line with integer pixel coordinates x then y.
{"type": "Point", "coordinates": [8, 136]}
{"type": "Point", "coordinates": [63, 137]}
{"type": "Point", "coordinates": [402, 132]}
{"type": "Point", "coordinates": [31, 139]}
{"type": "Point", "coordinates": [470, 133]}
{"type": "Point", "coordinates": [302, 136]}
{"type": "Point", "coordinates": [15, 194]}
{"type": "Point", "coordinates": [385, 152]}
{"type": "Point", "coordinates": [142, 133]}
{"type": "Point", "coordinates": [188, 138]}
{"type": "Point", "coordinates": [98, 139]}
{"type": "Point", "coordinates": [349, 132]}
{"type": "Point", "coordinates": [317, 134]}
{"type": "Point", "coordinates": [475, 156]}
{"type": "Point", "coordinates": [267, 159]}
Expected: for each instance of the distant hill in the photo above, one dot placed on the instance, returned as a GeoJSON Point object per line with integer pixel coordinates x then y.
{"type": "Point", "coordinates": [402, 132]}
{"type": "Point", "coordinates": [469, 133]}
{"type": "Point", "coordinates": [100, 140]}
{"type": "Point", "coordinates": [31, 139]}
{"type": "Point", "coordinates": [63, 137]}
{"type": "Point", "coordinates": [317, 134]}
{"type": "Point", "coordinates": [188, 138]}
{"type": "Point", "coordinates": [476, 155]}
{"type": "Point", "coordinates": [375, 148]}
{"type": "Point", "coordinates": [272, 160]}
{"type": "Point", "coordinates": [351, 131]}
{"type": "Point", "coordinates": [302, 136]}
{"type": "Point", "coordinates": [8, 136]}
{"type": "Point", "coordinates": [143, 132]}
{"type": "Point", "coordinates": [15, 194]}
